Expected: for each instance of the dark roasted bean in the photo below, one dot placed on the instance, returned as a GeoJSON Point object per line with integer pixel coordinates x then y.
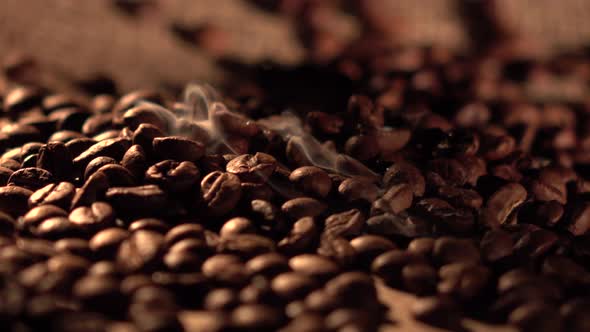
{"type": "Point", "coordinates": [302, 237]}
{"type": "Point", "coordinates": [313, 180]}
{"type": "Point", "coordinates": [178, 148]}
{"type": "Point", "coordinates": [97, 163]}
{"type": "Point", "coordinates": [140, 252]}
{"type": "Point", "coordinates": [173, 176]}
{"type": "Point", "coordinates": [252, 168]}
{"type": "Point", "coordinates": [437, 311]}
{"type": "Point", "coordinates": [31, 178]}
{"type": "Point", "coordinates": [346, 224]}
{"type": "Point", "coordinates": [113, 147]}
{"type": "Point", "coordinates": [135, 161]}
{"type": "Point", "coordinates": [60, 194]}
{"type": "Point", "coordinates": [303, 207]}
{"type": "Point", "coordinates": [55, 158]}
{"type": "Point", "coordinates": [97, 216]}
{"type": "Point", "coordinates": [137, 201]}
{"type": "Point", "coordinates": [13, 200]}
{"type": "Point", "coordinates": [221, 192]}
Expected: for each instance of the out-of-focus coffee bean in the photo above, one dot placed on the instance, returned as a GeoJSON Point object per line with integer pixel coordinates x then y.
{"type": "Point", "coordinates": [338, 249]}
{"type": "Point", "coordinates": [246, 245]}
{"type": "Point", "coordinates": [315, 266]}
{"type": "Point", "coordinates": [237, 225]}
{"type": "Point", "coordinates": [496, 245]}
{"type": "Point", "coordinates": [149, 224]}
{"type": "Point", "coordinates": [60, 194]}
{"type": "Point", "coordinates": [38, 214]}
{"type": "Point", "coordinates": [536, 317]}
{"type": "Point", "coordinates": [292, 285]}
{"type": "Point", "coordinates": [97, 216]}
{"type": "Point", "coordinates": [256, 317]}
{"type": "Point", "coordinates": [368, 247]}
{"type": "Point", "coordinates": [302, 237]}
{"type": "Point", "coordinates": [437, 311]}
{"type": "Point", "coordinates": [465, 281]}
{"type": "Point", "coordinates": [268, 265]}
{"type": "Point", "coordinates": [346, 224]}
{"type": "Point", "coordinates": [184, 231]}
{"type": "Point", "coordinates": [74, 246]}
{"type": "Point", "coordinates": [221, 299]}
{"type": "Point", "coordinates": [403, 172]}
{"type": "Point", "coordinates": [452, 250]}
{"type": "Point", "coordinates": [358, 188]}
{"type": "Point", "coordinates": [31, 178]}
{"type": "Point", "coordinates": [313, 180]}
{"type": "Point", "coordinates": [13, 200]}
{"type": "Point", "coordinates": [140, 252]}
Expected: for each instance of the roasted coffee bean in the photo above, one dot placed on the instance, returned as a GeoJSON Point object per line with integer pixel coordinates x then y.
{"type": "Point", "coordinates": [268, 265]}
{"type": "Point", "coordinates": [315, 266]}
{"type": "Point", "coordinates": [60, 194]}
{"type": "Point", "coordinates": [74, 246]}
{"type": "Point", "coordinates": [405, 173]}
{"type": "Point", "coordinates": [31, 178]}
{"type": "Point", "coordinates": [225, 270]}
{"type": "Point", "coordinates": [135, 161]}
{"type": "Point", "coordinates": [5, 174]}
{"type": "Point", "coordinates": [37, 215]}
{"type": "Point", "coordinates": [113, 147]}
{"type": "Point", "coordinates": [93, 189]}
{"type": "Point", "coordinates": [580, 220]}
{"type": "Point", "coordinates": [246, 245]}
{"type": "Point", "coordinates": [496, 245]}
{"type": "Point", "coordinates": [502, 203]}
{"type": "Point", "coordinates": [419, 278]}
{"type": "Point", "coordinates": [252, 168]}
{"type": "Point", "coordinates": [140, 252]}
{"type": "Point", "coordinates": [13, 200]}
{"type": "Point", "coordinates": [97, 216]}
{"type": "Point", "coordinates": [221, 192]}
{"type": "Point", "coordinates": [151, 114]}
{"type": "Point", "coordinates": [358, 189]}
{"type": "Point", "coordinates": [221, 299]}
{"type": "Point", "coordinates": [137, 201]}
{"type": "Point", "coordinates": [55, 158]}
{"type": "Point", "coordinates": [464, 281]}
{"type": "Point", "coordinates": [397, 199]}
{"type": "Point", "coordinates": [574, 313]}
{"type": "Point", "coordinates": [338, 249]}
{"type": "Point", "coordinates": [352, 289]}
{"type": "Point", "coordinates": [238, 225]}
{"type": "Point", "coordinates": [368, 247]}
{"type": "Point", "coordinates": [298, 208]}
{"type": "Point", "coordinates": [57, 227]}
{"type": "Point", "coordinates": [389, 265]}
{"type": "Point", "coordinates": [172, 175]}
{"type": "Point", "coordinates": [256, 317]}
{"type": "Point", "coordinates": [184, 231]}
{"type": "Point", "coordinates": [292, 285]}
{"type": "Point", "coordinates": [95, 164]}
{"type": "Point", "coordinates": [149, 224]}
{"type": "Point", "coordinates": [78, 145]}
{"type": "Point", "coordinates": [178, 148]}
{"type": "Point", "coordinates": [301, 238]}
{"type": "Point", "coordinates": [99, 293]}
{"type": "Point", "coordinates": [346, 224]}
{"type": "Point", "coordinates": [312, 180]}
{"type": "Point", "coordinates": [117, 175]}
{"type": "Point", "coordinates": [144, 136]}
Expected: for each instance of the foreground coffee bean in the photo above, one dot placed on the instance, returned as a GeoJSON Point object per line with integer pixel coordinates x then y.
{"type": "Point", "coordinates": [221, 192]}
{"type": "Point", "coordinates": [13, 200]}
{"type": "Point", "coordinates": [60, 194]}
{"type": "Point", "coordinates": [137, 201]}
{"type": "Point", "coordinates": [31, 178]}
{"type": "Point", "coordinates": [98, 216]}
{"type": "Point", "coordinates": [178, 148]}
{"type": "Point", "coordinates": [172, 175]}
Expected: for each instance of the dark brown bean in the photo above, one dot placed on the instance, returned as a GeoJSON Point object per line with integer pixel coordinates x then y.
{"type": "Point", "coordinates": [312, 180]}
{"type": "Point", "coordinates": [113, 147]}
{"type": "Point", "coordinates": [237, 225]}
{"type": "Point", "coordinates": [31, 178]}
{"type": "Point", "coordinates": [140, 252]}
{"type": "Point", "coordinates": [268, 265]}
{"type": "Point", "coordinates": [358, 188]}
{"type": "Point", "coordinates": [298, 208]}
{"type": "Point", "coordinates": [55, 158]}
{"type": "Point", "coordinates": [221, 192]}
{"type": "Point", "coordinates": [135, 161]}
{"type": "Point", "coordinates": [437, 311]}
{"type": "Point", "coordinates": [252, 168]}
{"type": "Point", "coordinates": [302, 237]}
{"type": "Point", "coordinates": [97, 216]}
{"type": "Point", "coordinates": [14, 200]}
{"type": "Point", "coordinates": [172, 175]}
{"type": "Point", "coordinates": [178, 148]}
{"type": "Point", "coordinates": [368, 247]}
{"type": "Point", "coordinates": [60, 194]}
{"type": "Point", "coordinates": [346, 224]}
{"type": "Point", "coordinates": [137, 201]}
{"type": "Point", "coordinates": [502, 203]}
{"type": "Point", "coordinates": [246, 245]}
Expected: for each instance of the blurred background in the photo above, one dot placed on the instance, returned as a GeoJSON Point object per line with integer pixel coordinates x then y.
{"type": "Point", "coordinates": [166, 43]}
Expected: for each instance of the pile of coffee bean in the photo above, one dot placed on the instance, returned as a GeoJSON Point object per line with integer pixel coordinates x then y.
{"type": "Point", "coordinates": [117, 210]}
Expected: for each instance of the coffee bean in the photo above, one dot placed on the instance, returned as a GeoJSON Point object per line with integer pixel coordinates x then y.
{"type": "Point", "coordinates": [137, 201]}
{"type": "Point", "coordinates": [464, 281]}
{"type": "Point", "coordinates": [184, 231]}
{"type": "Point", "coordinates": [134, 160]}
{"type": "Point", "coordinates": [302, 237]}
{"type": "Point", "coordinates": [97, 216]}
{"type": "Point", "coordinates": [151, 114]}
{"type": "Point", "coordinates": [31, 178]}
{"type": "Point", "coordinates": [298, 208]}
{"type": "Point", "coordinates": [403, 172]}
{"type": "Point", "coordinates": [95, 164]}
{"type": "Point", "coordinates": [292, 285]}
{"type": "Point", "coordinates": [252, 168]}
{"type": "Point", "coordinates": [144, 136]}
{"type": "Point", "coordinates": [60, 194]}
{"type": "Point", "coordinates": [338, 249]}
{"type": "Point", "coordinates": [352, 289]}
{"type": "Point", "coordinates": [268, 265]}
{"type": "Point", "coordinates": [221, 299]}
{"type": "Point", "coordinates": [172, 175]}
{"type": "Point", "coordinates": [502, 203]}
{"type": "Point", "coordinates": [38, 214]}
{"type": "Point", "coordinates": [149, 224]}
{"type": "Point", "coordinates": [221, 192]}
{"type": "Point", "coordinates": [117, 175]}
{"type": "Point", "coordinates": [93, 189]}
{"type": "Point", "coordinates": [574, 313]}
{"type": "Point", "coordinates": [389, 264]}
{"type": "Point", "coordinates": [315, 266]}
{"type": "Point", "coordinates": [397, 199]}
{"type": "Point", "coordinates": [346, 224]}
{"type": "Point", "coordinates": [178, 148]}
{"type": "Point", "coordinates": [140, 252]}
{"type": "Point", "coordinates": [99, 293]}
{"type": "Point", "coordinates": [13, 200]}
{"type": "Point", "coordinates": [74, 246]}
{"type": "Point", "coordinates": [56, 228]}
{"type": "Point", "coordinates": [256, 317]}
{"type": "Point", "coordinates": [238, 225]}
{"type": "Point", "coordinates": [358, 189]}
{"type": "Point", "coordinates": [225, 270]}
{"type": "Point", "coordinates": [55, 158]}
{"type": "Point", "coordinates": [368, 247]}
{"type": "Point", "coordinates": [113, 147]}
{"type": "Point", "coordinates": [312, 180]}
{"type": "Point", "coordinates": [246, 245]}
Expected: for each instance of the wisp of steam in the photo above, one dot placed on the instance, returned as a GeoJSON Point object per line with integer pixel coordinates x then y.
{"type": "Point", "coordinates": [203, 102]}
